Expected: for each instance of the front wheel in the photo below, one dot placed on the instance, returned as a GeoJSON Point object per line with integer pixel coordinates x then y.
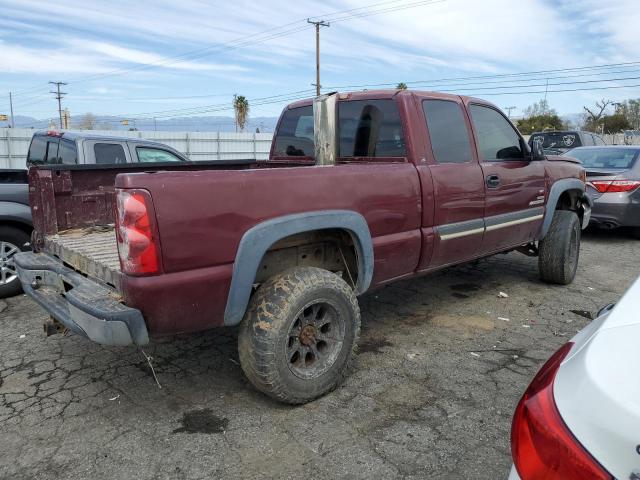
{"type": "Point", "coordinates": [299, 333]}
{"type": "Point", "coordinates": [12, 241]}
{"type": "Point", "coordinates": [560, 248]}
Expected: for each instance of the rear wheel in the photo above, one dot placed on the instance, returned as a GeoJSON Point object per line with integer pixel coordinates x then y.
{"type": "Point", "coordinates": [635, 232]}
{"type": "Point", "coordinates": [559, 250]}
{"type": "Point", "coordinates": [12, 241]}
{"type": "Point", "coordinates": [298, 336]}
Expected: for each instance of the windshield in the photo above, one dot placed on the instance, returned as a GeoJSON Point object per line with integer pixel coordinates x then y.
{"type": "Point", "coordinates": [557, 139]}
{"type": "Point", "coordinates": [608, 158]}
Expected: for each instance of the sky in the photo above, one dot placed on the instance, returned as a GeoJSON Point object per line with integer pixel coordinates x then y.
{"type": "Point", "coordinates": [169, 59]}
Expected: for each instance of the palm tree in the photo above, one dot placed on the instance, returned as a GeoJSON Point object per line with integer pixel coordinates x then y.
{"type": "Point", "coordinates": [241, 108]}
{"type": "Point", "coordinates": [401, 86]}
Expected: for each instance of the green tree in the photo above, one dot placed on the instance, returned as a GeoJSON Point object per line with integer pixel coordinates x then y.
{"type": "Point", "coordinates": [631, 110]}
{"type": "Point", "coordinates": [241, 109]}
{"type": "Point", "coordinates": [540, 117]}
{"type": "Point", "coordinates": [615, 123]}
{"type": "Point", "coordinates": [401, 86]}
{"type": "Point", "coordinates": [540, 123]}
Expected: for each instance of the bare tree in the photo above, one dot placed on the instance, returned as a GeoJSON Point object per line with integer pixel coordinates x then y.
{"type": "Point", "coordinates": [594, 116]}
{"type": "Point", "coordinates": [538, 109]}
{"type": "Point", "coordinates": [87, 122]}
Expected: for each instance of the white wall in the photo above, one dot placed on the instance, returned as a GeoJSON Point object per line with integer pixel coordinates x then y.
{"type": "Point", "coordinates": [14, 144]}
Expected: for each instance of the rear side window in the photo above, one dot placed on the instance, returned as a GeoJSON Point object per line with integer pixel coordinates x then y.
{"type": "Point", "coordinates": [109, 153]}
{"type": "Point", "coordinates": [67, 152]}
{"type": "Point", "coordinates": [37, 149]}
{"type": "Point", "coordinates": [587, 140]}
{"type": "Point", "coordinates": [598, 140]}
{"type": "Point", "coordinates": [52, 151]}
{"type": "Point", "coordinates": [370, 128]}
{"type": "Point", "coordinates": [295, 133]}
{"type": "Point", "coordinates": [448, 131]}
{"type": "Point", "coordinates": [146, 154]}
{"type": "Point", "coordinates": [497, 139]}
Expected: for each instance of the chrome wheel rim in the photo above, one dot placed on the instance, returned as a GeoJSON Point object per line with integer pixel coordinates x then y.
{"type": "Point", "coordinates": [8, 271]}
{"type": "Point", "coordinates": [315, 339]}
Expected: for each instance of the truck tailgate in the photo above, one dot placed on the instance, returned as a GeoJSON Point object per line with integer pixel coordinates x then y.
{"type": "Point", "coordinates": [92, 251]}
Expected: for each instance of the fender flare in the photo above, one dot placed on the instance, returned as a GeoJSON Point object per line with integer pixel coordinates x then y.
{"type": "Point", "coordinates": [258, 239]}
{"type": "Point", "coordinates": [557, 189]}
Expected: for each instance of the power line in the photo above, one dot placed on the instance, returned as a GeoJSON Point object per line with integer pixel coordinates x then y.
{"type": "Point", "coordinates": [499, 75]}
{"type": "Point", "coordinates": [340, 15]}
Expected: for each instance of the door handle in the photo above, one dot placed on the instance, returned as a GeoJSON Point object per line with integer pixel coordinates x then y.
{"type": "Point", "coordinates": [493, 181]}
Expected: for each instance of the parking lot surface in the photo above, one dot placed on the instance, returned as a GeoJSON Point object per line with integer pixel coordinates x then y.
{"type": "Point", "coordinates": [443, 361]}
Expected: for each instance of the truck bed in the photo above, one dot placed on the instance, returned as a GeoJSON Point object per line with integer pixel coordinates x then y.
{"type": "Point", "coordinates": [92, 251]}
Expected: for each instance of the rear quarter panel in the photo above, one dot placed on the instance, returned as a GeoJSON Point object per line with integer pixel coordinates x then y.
{"type": "Point", "coordinates": [202, 216]}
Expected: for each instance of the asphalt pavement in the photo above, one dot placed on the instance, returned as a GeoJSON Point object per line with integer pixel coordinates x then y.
{"type": "Point", "coordinates": [443, 361]}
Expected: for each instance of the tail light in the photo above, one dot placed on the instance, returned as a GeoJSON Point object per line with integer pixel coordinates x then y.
{"type": "Point", "coordinates": [609, 186]}
{"type": "Point", "coordinates": [136, 232]}
{"type": "Point", "coordinates": [542, 446]}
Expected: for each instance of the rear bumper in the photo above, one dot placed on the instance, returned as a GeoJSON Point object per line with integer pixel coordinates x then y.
{"type": "Point", "coordinates": [616, 210]}
{"type": "Point", "coordinates": [84, 306]}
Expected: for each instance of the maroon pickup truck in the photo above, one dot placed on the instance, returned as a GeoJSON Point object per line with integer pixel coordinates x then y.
{"type": "Point", "coordinates": [361, 189]}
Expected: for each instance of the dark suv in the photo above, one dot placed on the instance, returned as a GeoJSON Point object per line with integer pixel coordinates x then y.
{"type": "Point", "coordinates": [559, 142]}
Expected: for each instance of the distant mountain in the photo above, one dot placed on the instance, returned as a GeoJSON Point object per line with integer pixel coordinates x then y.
{"type": "Point", "coordinates": [181, 124]}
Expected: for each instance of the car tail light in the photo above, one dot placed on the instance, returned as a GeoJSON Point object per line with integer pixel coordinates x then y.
{"type": "Point", "coordinates": [608, 186]}
{"type": "Point", "coordinates": [541, 444]}
{"type": "Point", "coordinates": [136, 232]}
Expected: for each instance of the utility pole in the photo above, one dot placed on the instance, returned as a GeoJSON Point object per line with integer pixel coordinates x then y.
{"type": "Point", "coordinates": [13, 125]}
{"type": "Point", "coordinates": [508, 109]}
{"type": "Point", "coordinates": [319, 24]}
{"type": "Point", "coordinates": [59, 95]}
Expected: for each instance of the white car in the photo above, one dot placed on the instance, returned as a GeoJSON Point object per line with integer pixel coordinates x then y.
{"type": "Point", "coordinates": [580, 416]}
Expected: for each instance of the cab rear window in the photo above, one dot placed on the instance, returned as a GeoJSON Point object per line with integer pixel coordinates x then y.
{"type": "Point", "coordinates": [295, 133]}
{"type": "Point", "coordinates": [37, 149]}
{"type": "Point", "coordinates": [367, 128]}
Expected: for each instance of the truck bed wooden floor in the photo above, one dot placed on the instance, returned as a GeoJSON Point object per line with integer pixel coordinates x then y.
{"type": "Point", "coordinates": [93, 251]}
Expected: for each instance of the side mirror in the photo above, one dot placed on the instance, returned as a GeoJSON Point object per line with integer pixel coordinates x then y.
{"type": "Point", "coordinates": [537, 152]}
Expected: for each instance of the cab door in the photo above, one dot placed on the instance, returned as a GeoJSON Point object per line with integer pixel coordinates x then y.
{"type": "Point", "coordinates": [514, 184]}
{"type": "Point", "coordinates": [458, 185]}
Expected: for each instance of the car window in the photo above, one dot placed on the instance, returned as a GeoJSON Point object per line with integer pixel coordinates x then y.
{"type": "Point", "coordinates": [37, 149]}
{"type": "Point", "coordinates": [607, 158]}
{"type": "Point", "coordinates": [551, 140]}
{"type": "Point", "coordinates": [497, 139]}
{"type": "Point", "coordinates": [598, 140]}
{"type": "Point", "coordinates": [67, 152]}
{"type": "Point", "coordinates": [294, 137]}
{"type": "Point", "coordinates": [448, 131]}
{"type": "Point", "coordinates": [147, 154]}
{"type": "Point", "coordinates": [587, 140]}
{"type": "Point", "coordinates": [109, 153]}
{"type": "Point", "coordinates": [370, 128]}
{"type": "Point", "coordinates": [52, 151]}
